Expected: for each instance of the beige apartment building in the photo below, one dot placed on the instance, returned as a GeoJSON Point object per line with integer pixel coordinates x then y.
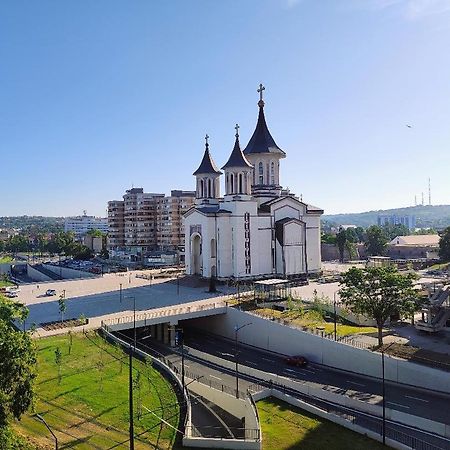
{"type": "Point", "coordinates": [143, 222]}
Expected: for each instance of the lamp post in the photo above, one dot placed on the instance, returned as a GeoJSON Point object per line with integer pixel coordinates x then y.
{"type": "Point", "coordinates": [134, 316]}
{"type": "Point", "coordinates": [335, 319]}
{"type": "Point", "coordinates": [130, 396]}
{"type": "Point", "coordinates": [49, 429]}
{"type": "Point", "coordinates": [384, 392]}
{"type": "Point", "coordinates": [236, 329]}
{"type": "Point", "coordinates": [120, 292]}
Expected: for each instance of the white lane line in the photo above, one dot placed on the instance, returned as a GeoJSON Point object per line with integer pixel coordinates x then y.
{"type": "Point", "coordinates": [398, 404]}
{"type": "Point", "coordinates": [355, 383]}
{"type": "Point", "coordinates": [416, 398]}
{"type": "Point", "coordinates": [289, 370]}
{"type": "Point", "coordinates": [307, 370]}
{"type": "Point", "coordinates": [217, 378]}
{"type": "Point", "coordinates": [267, 359]}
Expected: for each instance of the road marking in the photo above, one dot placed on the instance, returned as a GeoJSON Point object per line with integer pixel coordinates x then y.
{"type": "Point", "coordinates": [289, 370]}
{"type": "Point", "coordinates": [398, 404]}
{"type": "Point", "coordinates": [307, 370]}
{"type": "Point", "coordinates": [356, 384]}
{"type": "Point", "coordinates": [416, 398]}
{"type": "Point", "coordinates": [267, 359]}
{"type": "Point", "coordinates": [217, 378]}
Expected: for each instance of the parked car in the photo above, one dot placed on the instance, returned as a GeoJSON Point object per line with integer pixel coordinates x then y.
{"type": "Point", "coordinates": [12, 294]}
{"type": "Point", "coordinates": [50, 292]}
{"type": "Point", "coordinates": [296, 360]}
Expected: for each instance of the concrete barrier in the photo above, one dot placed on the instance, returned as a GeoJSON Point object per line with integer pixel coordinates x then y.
{"type": "Point", "coordinates": [69, 274]}
{"type": "Point", "coordinates": [278, 338]}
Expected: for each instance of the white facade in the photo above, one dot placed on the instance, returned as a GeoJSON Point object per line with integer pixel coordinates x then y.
{"type": "Point", "coordinates": [257, 229]}
{"type": "Point", "coordinates": [80, 225]}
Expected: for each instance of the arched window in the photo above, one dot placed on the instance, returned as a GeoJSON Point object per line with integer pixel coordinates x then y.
{"type": "Point", "coordinates": [240, 184]}
{"type": "Point", "coordinates": [202, 187]}
{"type": "Point", "coordinates": [227, 184]}
{"type": "Point", "coordinates": [272, 173]}
{"type": "Point", "coordinates": [231, 183]}
{"type": "Point", "coordinates": [209, 188]}
{"type": "Point", "coordinates": [261, 173]}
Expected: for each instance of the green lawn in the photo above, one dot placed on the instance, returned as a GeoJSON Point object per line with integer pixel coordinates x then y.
{"type": "Point", "coordinates": [314, 319]}
{"type": "Point", "coordinates": [88, 408]}
{"type": "Point", "coordinates": [5, 283]}
{"type": "Point", "coordinates": [5, 259]}
{"type": "Point", "coordinates": [285, 427]}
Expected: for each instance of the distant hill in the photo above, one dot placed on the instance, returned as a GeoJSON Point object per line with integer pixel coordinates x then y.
{"type": "Point", "coordinates": [426, 216]}
{"type": "Point", "coordinates": [35, 223]}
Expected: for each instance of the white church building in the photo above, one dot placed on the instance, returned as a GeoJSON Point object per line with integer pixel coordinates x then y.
{"type": "Point", "coordinates": [257, 229]}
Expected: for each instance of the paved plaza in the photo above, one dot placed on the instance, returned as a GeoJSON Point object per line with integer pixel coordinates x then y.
{"type": "Point", "coordinates": [103, 297]}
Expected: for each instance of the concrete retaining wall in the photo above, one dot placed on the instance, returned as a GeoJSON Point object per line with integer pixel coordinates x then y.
{"type": "Point", "coordinates": [278, 338]}
{"type": "Point", "coordinates": [68, 273]}
{"type": "Point", "coordinates": [36, 275]}
{"type": "Point", "coordinates": [237, 407]}
{"type": "Point", "coordinates": [329, 416]}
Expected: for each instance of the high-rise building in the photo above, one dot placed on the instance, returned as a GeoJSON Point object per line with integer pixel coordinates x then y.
{"type": "Point", "coordinates": [394, 219]}
{"type": "Point", "coordinates": [80, 225]}
{"type": "Point", "coordinates": [145, 222]}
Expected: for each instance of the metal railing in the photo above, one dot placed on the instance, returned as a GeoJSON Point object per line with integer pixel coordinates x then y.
{"type": "Point", "coordinates": [163, 313]}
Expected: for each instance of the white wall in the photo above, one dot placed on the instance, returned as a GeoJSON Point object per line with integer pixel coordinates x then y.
{"type": "Point", "coordinates": [278, 338]}
{"type": "Point", "coordinates": [68, 273]}
{"type": "Point", "coordinates": [36, 275]}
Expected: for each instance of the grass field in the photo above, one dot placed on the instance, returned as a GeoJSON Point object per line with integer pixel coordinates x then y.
{"type": "Point", "coordinates": [314, 319]}
{"type": "Point", "coordinates": [5, 259]}
{"type": "Point", "coordinates": [88, 407]}
{"type": "Point", "coordinates": [5, 283]}
{"type": "Point", "coordinates": [285, 427]}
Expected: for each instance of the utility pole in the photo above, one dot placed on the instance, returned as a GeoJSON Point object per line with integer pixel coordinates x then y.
{"type": "Point", "coordinates": [236, 329]}
{"type": "Point", "coordinates": [130, 396]}
{"type": "Point", "coordinates": [384, 392]}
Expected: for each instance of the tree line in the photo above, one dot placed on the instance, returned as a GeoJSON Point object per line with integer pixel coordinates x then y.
{"type": "Point", "coordinates": [60, 243]}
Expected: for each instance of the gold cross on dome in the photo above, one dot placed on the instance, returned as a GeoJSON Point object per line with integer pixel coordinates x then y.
{"type": "Point", "coordinates": [260, 91]}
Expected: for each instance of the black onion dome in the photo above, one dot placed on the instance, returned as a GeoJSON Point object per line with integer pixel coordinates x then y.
{"type": "Point", "coordinates": [207, 165]}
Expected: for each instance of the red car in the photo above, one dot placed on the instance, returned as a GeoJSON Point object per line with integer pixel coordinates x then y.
{"type": "Point", "coordinates": [296, 360]}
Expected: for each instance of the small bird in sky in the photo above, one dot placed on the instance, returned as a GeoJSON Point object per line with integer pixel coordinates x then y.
{"type": "Point", "coordinates": [409, 126]}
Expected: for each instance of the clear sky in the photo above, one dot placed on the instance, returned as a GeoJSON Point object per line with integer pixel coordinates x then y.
{"type": "Point", "coordinates": [97, 96]}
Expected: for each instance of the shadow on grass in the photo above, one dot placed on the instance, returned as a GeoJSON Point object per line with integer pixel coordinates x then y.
{"type": "Point", "coordinates": [286, 427]}
{"type": "Point", "coordinates": [75, 442]}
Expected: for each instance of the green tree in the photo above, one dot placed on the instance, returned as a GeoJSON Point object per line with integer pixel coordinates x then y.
{"type": "Point", "coordinates": [360, 233]}
{"type": "Point", "coordinates": [444, 245]}
{"type": "Point", "coordinates": [17, 366]}
{"type": "Point", "coordinates": [341, 241]}
{"type": "Point", "coordinates": [391, 231]}
{"type": "Point", "coordinates": [376, 241]}
{"type": "Point", "coordinates": [62, 306]}
{"type": "Point", "coordinates": [379, 293]}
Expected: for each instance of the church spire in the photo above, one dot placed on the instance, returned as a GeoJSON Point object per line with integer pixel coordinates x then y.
{"type": "Point", "coordinates": [237, 158]}
{"type": "Point", "coordinates": [261, 140]}
{"type": "Point", "coordinates": [207, 166]}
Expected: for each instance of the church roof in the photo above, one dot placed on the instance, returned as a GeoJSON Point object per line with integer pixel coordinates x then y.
{"type": "Point", "coordinates": [237, 158]}
{"type": "Point", "coordinates": [261, 140]}
{"type": "Point", "coordinates": [207, 165]}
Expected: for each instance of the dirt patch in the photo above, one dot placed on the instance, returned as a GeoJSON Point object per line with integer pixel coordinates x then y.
{"type": "Point", "coordinates": [419, 355]}
{"type": "Point", "coordinates": [69, 323]}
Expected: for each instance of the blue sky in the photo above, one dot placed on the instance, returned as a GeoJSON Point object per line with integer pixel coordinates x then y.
{"type": "Point", "coordinates": [97, 96]}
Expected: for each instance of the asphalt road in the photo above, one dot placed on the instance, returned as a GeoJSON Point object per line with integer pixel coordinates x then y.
{"type": "Point", "coordinates": [224, 379]}
{"type": "Point", "coordinates": [399, 397]}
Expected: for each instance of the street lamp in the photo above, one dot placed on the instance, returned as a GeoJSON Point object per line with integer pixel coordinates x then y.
{"type": "Point", "coordinates": [49, 429]}
{"type": "Point", "coordinates": [179, 340]}
{"type": "Point", "coordinates": [335, 319]}
{"type": "Point", "coordinates": [236, 329]}
{"type": "Point", "coordinates": [384, 392]}
{"type": "Point", "coordinates": [134, 316]}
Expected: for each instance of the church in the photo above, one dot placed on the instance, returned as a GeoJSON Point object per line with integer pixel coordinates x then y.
{"type": "Point", "coordinates": [257, 229]}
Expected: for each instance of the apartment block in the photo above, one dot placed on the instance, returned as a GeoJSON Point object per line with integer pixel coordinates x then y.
{"type": "Point", "coordinates": [80, 225]}
{"type": "Point", "coordinates": [144, 222]}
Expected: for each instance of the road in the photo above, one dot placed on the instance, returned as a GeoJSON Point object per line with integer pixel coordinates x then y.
{"type": "Point", "coordinates": [400, 397]}
{"type": "Point", "coordinates": [224, 379]}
